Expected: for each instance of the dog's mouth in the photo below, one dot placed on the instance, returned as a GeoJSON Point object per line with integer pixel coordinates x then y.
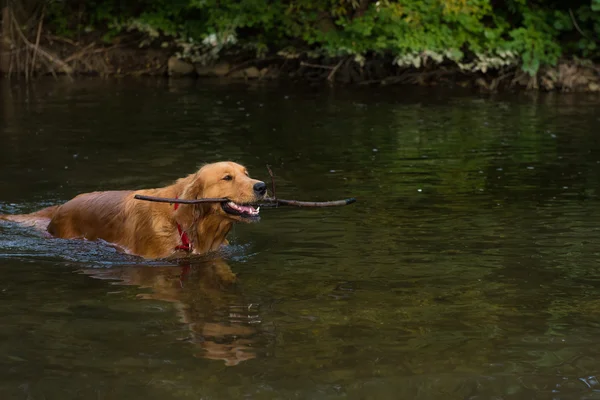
{"type": "Point", "coordinates": [241, 210]}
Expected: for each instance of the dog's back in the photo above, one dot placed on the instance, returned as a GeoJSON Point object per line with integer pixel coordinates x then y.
{"type": "Point", "coordinates": [39, 219]}
{"type": "Point", "coordinates": [88, 215]}
{"type": "Point", "coordinates": [96, 215]}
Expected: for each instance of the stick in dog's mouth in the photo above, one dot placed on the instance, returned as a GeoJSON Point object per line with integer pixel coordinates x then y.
{"type": "Point", "coordinates": [266, 202]}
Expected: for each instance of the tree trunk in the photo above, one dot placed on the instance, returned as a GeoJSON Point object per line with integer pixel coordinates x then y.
{"type": "Point", "coordinates": [5, 39]}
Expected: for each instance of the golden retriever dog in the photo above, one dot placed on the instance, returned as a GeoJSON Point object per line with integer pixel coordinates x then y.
{"type": "Point", "coordinates": [158, 230]}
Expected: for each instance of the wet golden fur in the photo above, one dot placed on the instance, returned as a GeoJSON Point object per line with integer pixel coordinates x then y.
{"type": "Point", "coordinates": [149, 229]}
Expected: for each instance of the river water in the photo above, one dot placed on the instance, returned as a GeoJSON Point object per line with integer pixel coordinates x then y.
{"type": "Point", "coordinates": [468, 268]}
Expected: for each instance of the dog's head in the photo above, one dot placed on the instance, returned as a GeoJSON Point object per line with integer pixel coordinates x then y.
{"type": "Point", "coordinates": [231, 181]}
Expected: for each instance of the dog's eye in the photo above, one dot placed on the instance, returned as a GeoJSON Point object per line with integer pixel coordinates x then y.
{"type": "Point", "coordinates": [227, 177]}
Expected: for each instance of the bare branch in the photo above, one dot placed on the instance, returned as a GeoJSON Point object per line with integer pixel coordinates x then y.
{"type": "Point", "coordinates": [180, 201]}
{"type": "Point", "coordinates": [577, 26]}
{"type": "Point", "coordinates": [331, 75]}
{"type": "Point", "coordinates": [272, 181]}
{"type": "Point", "coordinates": [305, 64]}
{"type": "Point", "coordinates": [52, 59]}
{"type": "Point", "coordinates": [266, 202]}
{"type": "Point", "coordinates": [37, 40]}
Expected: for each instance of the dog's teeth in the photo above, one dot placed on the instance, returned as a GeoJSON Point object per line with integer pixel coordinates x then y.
{"type": "Point", "coordinates": [244, 209]}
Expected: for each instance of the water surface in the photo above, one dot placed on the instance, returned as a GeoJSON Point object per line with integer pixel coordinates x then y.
{"type": "Point", "coordinates": [469, 268]}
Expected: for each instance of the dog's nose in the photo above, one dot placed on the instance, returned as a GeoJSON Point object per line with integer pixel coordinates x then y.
{"type": "Point", "coordinates": [260, 188]}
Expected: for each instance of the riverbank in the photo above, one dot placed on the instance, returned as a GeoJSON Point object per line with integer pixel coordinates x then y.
{"type": "Point", "coordinates": [60, 56]}
{"type": "Point", "coordinates": [478, 44]}
{"type": "Point", "coordinates": [35, 48]}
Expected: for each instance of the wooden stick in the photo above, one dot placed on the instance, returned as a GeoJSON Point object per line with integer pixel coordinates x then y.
{"type": "Point", "coordinates": [180, 201]}
{"type": "Point", "coordinates": [272, 181]}
{"type": "Point", "coordinates": [37, 40]}
{"type": "Point", "coordinates": [266, 202]}
{"type": "Point", "coordinates": [305, 64]}
{"type": "Point", "coordinates": [334, 70]}
{"type": "Point", "coordinates": [79, 53]}
{"type": "Point", "coordinates": [296, 203]}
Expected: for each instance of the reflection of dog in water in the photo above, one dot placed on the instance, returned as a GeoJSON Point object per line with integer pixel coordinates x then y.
{"type": "Point", "coordinates": [218, 319]}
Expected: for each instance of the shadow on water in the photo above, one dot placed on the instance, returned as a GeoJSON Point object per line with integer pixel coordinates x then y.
{"type": "Point", "coordinates": [468, 268]}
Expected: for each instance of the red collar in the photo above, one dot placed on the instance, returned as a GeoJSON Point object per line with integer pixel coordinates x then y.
{"type": "Point", "coordinates": [185, 240]}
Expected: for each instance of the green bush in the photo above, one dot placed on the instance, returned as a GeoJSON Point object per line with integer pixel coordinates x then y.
{"type": "Point", "coordinates": [477, 35]}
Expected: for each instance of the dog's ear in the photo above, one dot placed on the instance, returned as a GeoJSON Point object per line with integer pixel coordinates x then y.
{"type": "Point", "coordinates": [188, 214]}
